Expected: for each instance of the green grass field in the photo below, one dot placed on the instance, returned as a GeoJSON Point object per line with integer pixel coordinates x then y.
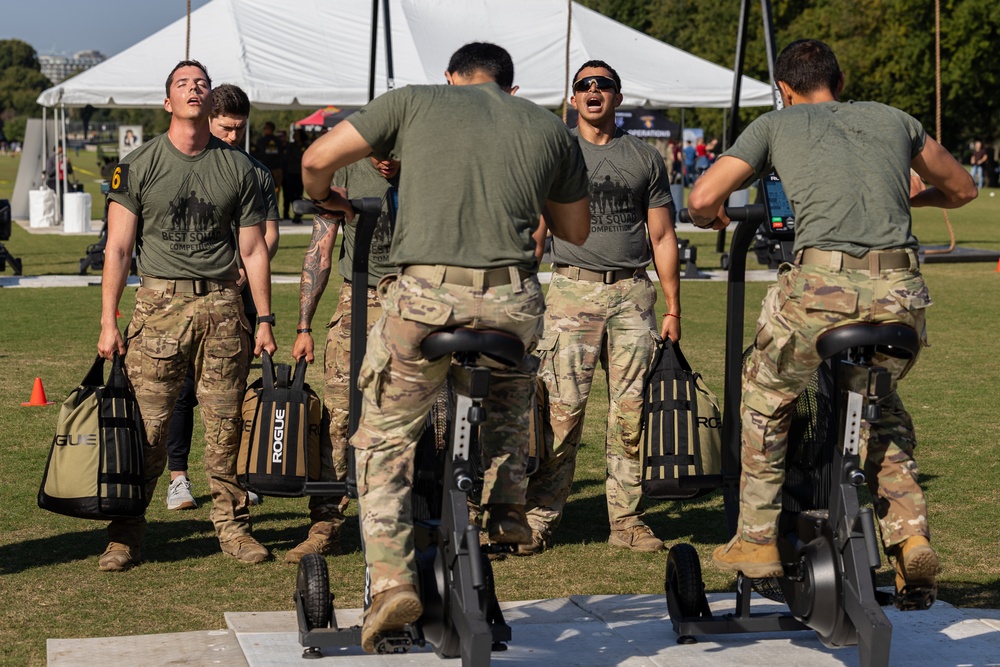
{"type": "Point", "coordinates": [51, 586]}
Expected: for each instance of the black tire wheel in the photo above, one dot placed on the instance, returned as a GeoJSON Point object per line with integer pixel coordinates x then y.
{"type": "Point", "coordinates": [683, 582]}
{"type": "Point", "coordinates": [313, 587]}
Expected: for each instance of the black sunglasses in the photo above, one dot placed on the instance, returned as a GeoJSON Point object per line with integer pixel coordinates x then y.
{"type": "Point", "coordinates": [602, 83]}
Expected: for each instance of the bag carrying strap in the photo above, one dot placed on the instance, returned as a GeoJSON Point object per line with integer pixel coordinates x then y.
{"type": "Point", "coordinates": [299, 378]}
{"type": "Point", "coordinates": [681, 359]}
{"type": "Point", "coordinates": [279, 376]}
{"type": "Point", "coordinates": [668, 355]}
{"type": "Point", "coordinates": [117, 378]}
{"type": "Point", "coordinates": [267, 370]}
{"type": "Point", "coordinates": [95, 376]}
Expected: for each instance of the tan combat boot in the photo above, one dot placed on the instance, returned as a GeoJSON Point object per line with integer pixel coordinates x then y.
{"type": "Point", "coordinates": [390, 611]}
{"type": "Point", "coordinates": [245, 548]}
{"type": "Point", "coordinates": [507, 524]}
{"type": "Point", "coordinates": [118, 557]}
{"type": "Point", "coordinates": [916, 574]}
{"type": "Point", "coordinates": [636, 538]}
{"type": "Point", "coordinates": [323, 539]}
{"type": "Point", "coordinates": [757, 561]}
{"type": "Point", "coordinates": [539, 543]}
{"type": "Point", "coordinates": [124, 538]}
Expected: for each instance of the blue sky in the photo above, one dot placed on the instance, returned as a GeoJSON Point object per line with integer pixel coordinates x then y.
{"type": "Point", "coordinates": [66, 26]}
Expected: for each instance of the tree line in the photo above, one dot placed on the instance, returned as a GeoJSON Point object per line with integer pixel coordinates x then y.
{"type": "Point", "coordinates": [885, 47]}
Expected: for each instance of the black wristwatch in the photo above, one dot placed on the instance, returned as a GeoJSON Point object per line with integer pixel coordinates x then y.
{"type": "Point", "coordinates": [269, 319]}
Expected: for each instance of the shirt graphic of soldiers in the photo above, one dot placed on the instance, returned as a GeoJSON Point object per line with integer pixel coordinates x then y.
{"type": "Point", "coordinates": [612, 205]}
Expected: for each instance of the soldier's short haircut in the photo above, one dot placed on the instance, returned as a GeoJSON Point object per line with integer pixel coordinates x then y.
{"type": "Point", "coordinates": [187, 63]}
{"type": "Point", "coordinates": [483, 57]}
{"type": "Point", "coordinates": [601, 64]}
{"type": "Point", "coordinates": [229, 100]}
{"type": "Point", "coordinates": [807, 65]}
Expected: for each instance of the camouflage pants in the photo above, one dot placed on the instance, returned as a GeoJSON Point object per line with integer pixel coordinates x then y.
{"type": "Point", "coordinates": [336, 397]}
{"type": "Point", "coordinates": [400, 385]}
{"type": "Point", "coordinates": [805, 302]}
{"type": "Point", "coordinates": [168, 334]}
{"type": "Point", "coordinates": [587, 323]}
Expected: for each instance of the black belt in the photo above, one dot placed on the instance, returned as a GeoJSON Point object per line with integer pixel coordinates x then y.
{"type": "Point", "coordinates": [186, 286]}
{"type": "Point", "coordinates": [459, 275]}
{"type": "Point", "coordinates": [873, 260]}
{"type": "Point", "coordinates": [606, 277]}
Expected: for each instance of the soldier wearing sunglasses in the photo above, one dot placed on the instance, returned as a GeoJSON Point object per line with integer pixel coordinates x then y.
{"type": "Point", "coordinates": [600, 309]}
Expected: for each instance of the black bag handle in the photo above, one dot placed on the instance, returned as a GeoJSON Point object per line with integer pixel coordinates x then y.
{"type": "Point", "coordinates": [681, 359]}
{"type": "Point", "coordinates": [117, 378]}
{"type": "Point", "coordinates": [267, 369]}
{"type": "Point", "coordinates": [299, 378]}
{"type": "Point", "coordinates": [95, 376]}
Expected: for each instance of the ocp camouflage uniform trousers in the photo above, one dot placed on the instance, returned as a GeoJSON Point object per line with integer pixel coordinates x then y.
{"type": "Point", "coordinates": [336, 397]}
{"type": "Point", "coordinates": [586, 323]}
{"type": "Point", "coordinates": [400, 386]}
{"type": "Point", "coordinates": [169, 332]}
{"type": "Point", "coordinates": [805, 302]}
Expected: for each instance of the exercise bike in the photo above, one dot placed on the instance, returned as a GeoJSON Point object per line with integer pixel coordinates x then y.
{"type": "Point", "coordinates": [461, 617]}
{"type": "Point", "coordinates": [827, 541]}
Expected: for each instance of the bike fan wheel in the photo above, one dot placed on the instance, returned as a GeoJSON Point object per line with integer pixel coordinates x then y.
{"type": "Point", "coordinates": [313, 587]}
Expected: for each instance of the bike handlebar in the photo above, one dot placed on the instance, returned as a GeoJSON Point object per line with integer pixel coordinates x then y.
{"type": "Point", "coordinates": [754, 213]}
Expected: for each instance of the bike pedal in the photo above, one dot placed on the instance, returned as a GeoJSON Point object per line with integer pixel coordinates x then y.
{"type": "Point", "coordinates": [393, 643]}
{"type": "Point", "coordinates": [915, 598]}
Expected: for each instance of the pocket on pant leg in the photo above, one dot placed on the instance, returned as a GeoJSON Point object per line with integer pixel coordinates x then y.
{"type": "Point", "coordinates": [375, 367]}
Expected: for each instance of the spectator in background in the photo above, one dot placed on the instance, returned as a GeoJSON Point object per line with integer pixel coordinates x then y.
{"type": "Point", "coordinates": [291, 174]}
{"type": "Point", "coordinates": [978, 161]}
{"type": "Point", "coordinates": [689, 159]}
{"type": "Point", "coordinates": [270, 150]}
{"type": "Point", "coordinates": [701, 161]}
{"type": "Point", "coordinates": [55, 170]}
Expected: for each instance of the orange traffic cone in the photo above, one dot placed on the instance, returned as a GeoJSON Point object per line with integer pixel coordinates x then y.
{"type": "Point", "coordinates": [38, 395]}
{"type": "Point", "coordinates": [998, 266]}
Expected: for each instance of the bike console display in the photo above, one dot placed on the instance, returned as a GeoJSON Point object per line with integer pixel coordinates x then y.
{"type": "Point", "coordinates": [780, 223]}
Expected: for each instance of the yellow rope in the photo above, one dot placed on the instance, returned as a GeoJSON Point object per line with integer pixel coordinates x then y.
{"type": "Point", "coordinates": [187, 44]}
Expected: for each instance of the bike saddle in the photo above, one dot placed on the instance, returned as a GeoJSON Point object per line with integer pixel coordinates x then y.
{"type": "Point", "coordinates": [500, 346]}
{"type": "Point", "coordinates": [895, 340]}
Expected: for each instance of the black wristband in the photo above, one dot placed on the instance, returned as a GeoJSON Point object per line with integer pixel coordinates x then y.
{"type": "Point", "coordinates": [306, 330]}
{"type": "Point", "coordinates": [328, 197]}
{"type": "Point", "coordinates": [266, 319]}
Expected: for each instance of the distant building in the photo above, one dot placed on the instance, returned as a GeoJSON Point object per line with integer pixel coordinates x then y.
{"type": "Point", "coordinates": [58, 68]}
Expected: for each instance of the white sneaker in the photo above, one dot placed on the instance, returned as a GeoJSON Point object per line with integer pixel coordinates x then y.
{"type": "Point", "coordinates": [179, 495]}
{"type": "Point", "coordinates": [253, 499]}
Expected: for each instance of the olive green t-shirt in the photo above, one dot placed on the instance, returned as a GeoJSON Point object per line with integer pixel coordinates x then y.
{"type": "Point", "coordinates": [627, 178]}
{"type": "Point", "coordinates": [479, 165]}
{"type": "Point", "coordinates": [845, 167]}
{"type": "Point", "coordinates": [361, 179]}
{"type": "Point", "coordinates": [187, 207]}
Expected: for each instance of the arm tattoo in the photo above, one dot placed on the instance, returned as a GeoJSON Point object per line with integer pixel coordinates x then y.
{"type": "Point", "coordinates": [316, 268]}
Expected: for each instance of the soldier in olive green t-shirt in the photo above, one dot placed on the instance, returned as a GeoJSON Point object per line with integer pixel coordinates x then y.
{"type": "Point", "coordinates": [480, 167]}
{"type": "Point", "coordinates": [178, 199]}
{"type": "Point", "coordinates": [846, 170]}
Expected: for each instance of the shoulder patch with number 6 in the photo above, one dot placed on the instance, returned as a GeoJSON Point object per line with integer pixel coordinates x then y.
{"type": "Point", "coordinates": [119, 179]}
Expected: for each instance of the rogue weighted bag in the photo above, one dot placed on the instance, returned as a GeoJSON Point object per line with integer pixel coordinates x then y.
{"type": "Point", "coordinates": [681, 447]}
{"type": "Point", "coordinates": [282, 429]}
{"type": "Point", "coordinates": [96, 468]}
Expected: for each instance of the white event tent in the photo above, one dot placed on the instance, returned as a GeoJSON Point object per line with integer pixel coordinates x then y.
{"type": "Point", "coordinates": [312, 53]}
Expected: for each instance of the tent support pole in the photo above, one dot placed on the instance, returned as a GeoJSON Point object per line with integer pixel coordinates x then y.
{"type": "Point", "coordinates": [390, 79]}
{"type": "Point", "coordinates": [371, 59]}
